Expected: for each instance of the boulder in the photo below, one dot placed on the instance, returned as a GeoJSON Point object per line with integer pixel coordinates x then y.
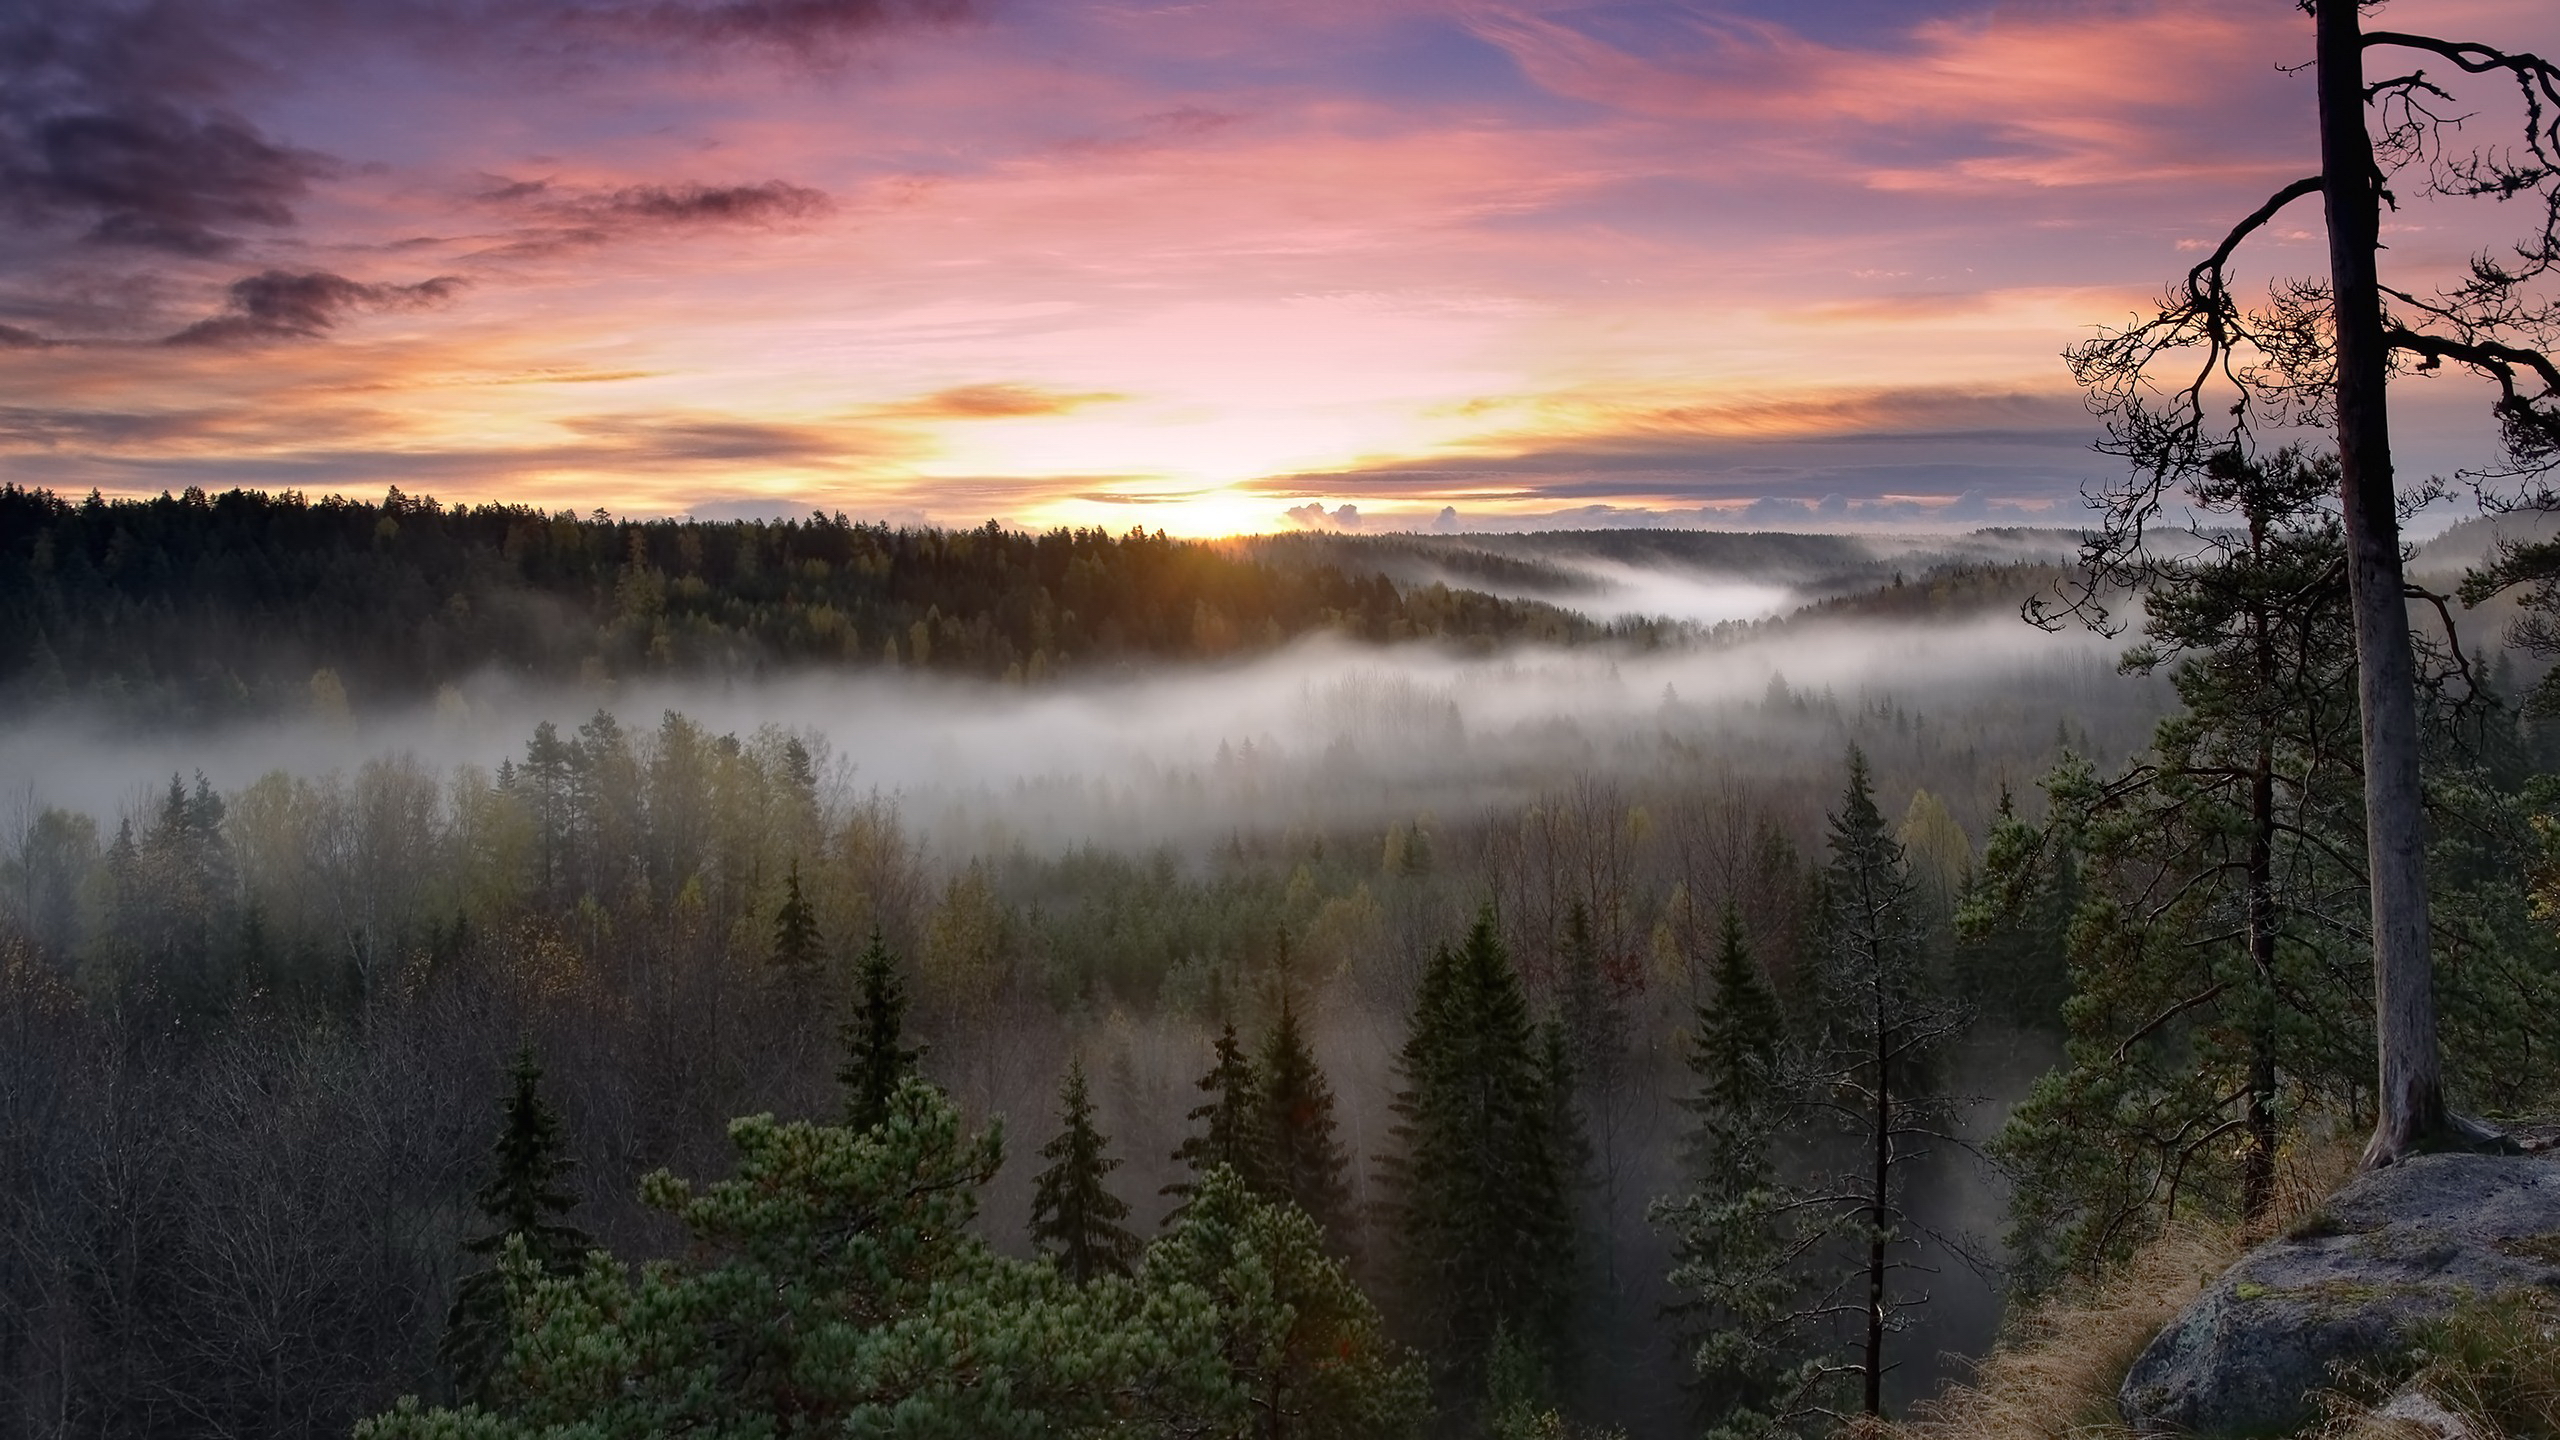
{"type": "Point", "coordinates": [2350, 1283]}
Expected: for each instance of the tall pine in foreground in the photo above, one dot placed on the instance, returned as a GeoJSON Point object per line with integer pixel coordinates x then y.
{"type": "Point", "coordinates": [523, 1202]}
{"type": "Point", "coordinates": [1481, 1199]}
{"type": "Point", "coordinates": [2218, 971]}
{"type": "Point", "coordinates": [1755, 1361]}
{"type": "Point", "coordinates": [877, 1056]}
{"type": "Point", "coordinates": [1303, 1162]}
{"type": "Point", "coordinates": [1074, 1216]}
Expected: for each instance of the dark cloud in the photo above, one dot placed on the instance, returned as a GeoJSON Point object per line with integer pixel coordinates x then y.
{"type": "Point", "coordinates": [25, 428]}
{"type": "Point", "coordinates": [602, 212]}
{"type": "Point", "coordinates": [13, 338]}
{"type": "Point", "coordinates": [281, 305]}
{"type": "Point", "coordinates": [802, 27]}
{"type": "Point", "coordinates": [122, 132]}
{"type": "Point", "coordinates": [1869, 446]}
{"type": "Point", "coordinates": [115, 123]}
{"type": "Point", "coordinates": [570, 220]}
{"type": "Point", "coordinates": [150, 176]}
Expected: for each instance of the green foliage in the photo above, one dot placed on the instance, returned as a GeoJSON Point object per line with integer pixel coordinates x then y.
{"type": "Point", "coordinates": [1302, 1345]}
{"type": "Point", "coordinates": [1733, 1061]}
{"type": "Point", "coordinates": [1229, 1121]}
{"type": "Point", "coordinates": [2219, 978]}
{"type": "Point", "coordinates": [1738, 1240]}
{"type": "Point", "coordinates": [877, 1058]}
{"type": "Point", "coordinates": [2497, 939]}
{"type": "Point", "coordinates": [1075, 1218]}
{"type": "Point", "coordinates": [835, 1289]}
{"type": "Point", "coordinates": [522, 1203]}
{"type": "Point", "coordinates": [1481, 1206]}
{"type": "Point", "coordinates": [798, 949]}
{"type": "Point", "coordinates": [1302, 1161]}
{"type": "Point", "coordinates": [1742, 1271]}
{"type": "Point", "coordinates": [1871, 1067]}
{"type": "Point", "coordinates": [2013, 920]}
{"type": "Point", "coordinates": [832, 1286]}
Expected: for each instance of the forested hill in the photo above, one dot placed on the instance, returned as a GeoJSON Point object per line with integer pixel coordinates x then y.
{"type": "Point", "coordinates": [198, 606]}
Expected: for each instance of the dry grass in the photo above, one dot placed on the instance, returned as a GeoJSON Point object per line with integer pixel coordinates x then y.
{"type": "Point", "coordinates": [2056, 1373]}
{"type": "Point", "coordinates": [2494, 1364]}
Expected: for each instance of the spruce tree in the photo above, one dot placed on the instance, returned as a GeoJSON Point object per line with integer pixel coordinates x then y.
{"type": "Point", "coordinates": [1302, 1161]}
{"type": "Point", "coordinates": [876, 1055]}
{"type": "Point", "coordinates": [523, 1201]}
{"type": "Point", "coordinates": [1592, 1023]}
{"type": "Point", "coordinates": [1733, 1064]}
{"type": "Point", "coordinates": [1482, 1205]}
{"type": "Point", "coordinates": [1229, 1124]}
{"type": "Point", "coordinates": [1074, 1216]}
{"type": "Point", "coordinates": [1755, 1356]}
{"type": "Point", "coordinates": [1883, 1023]}
{"type": "Point", "coordinates": [2013, 921]}
{"type": "Point", "coordinates": [797, 946]}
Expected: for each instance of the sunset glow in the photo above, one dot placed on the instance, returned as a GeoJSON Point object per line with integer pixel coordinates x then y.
{"type": "Point", "coordinates": [1190, 267]}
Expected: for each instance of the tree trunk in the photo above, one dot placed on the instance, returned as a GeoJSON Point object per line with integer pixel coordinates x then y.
{"type": "Point", "coordinates": [2410, 1095]}
{"type": "Point", "coordinates": [1877, 1199]}
{"type": "Point", "coordinates": [2258, 1164]}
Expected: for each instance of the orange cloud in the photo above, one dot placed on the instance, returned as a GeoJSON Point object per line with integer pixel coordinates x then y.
{"type": "Point", "coordinates": [995, 402]}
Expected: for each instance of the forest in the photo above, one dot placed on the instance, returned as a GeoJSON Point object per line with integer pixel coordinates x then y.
{"type": "Point", "coordinates": [205, 607]}
{"type": "Point", "coordinates": [853, 981]}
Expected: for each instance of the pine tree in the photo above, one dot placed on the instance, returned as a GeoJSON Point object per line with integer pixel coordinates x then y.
{"type": "Point", "coordinates": [1304, 1346]}
{"type": "Point", "coordinates": [2217, 973]}
{"type": "Point", "coordinates": [1229, 1121]}
{"type": "Point", "coordinates": [2014, 918]}
{"type": "Point", "coordinates": [1302, 1161]}
{"type": "Point", "coordinates": [876, 1057]}
{"type": "Point", "coordinates": [1755, 1358]}
{"type": "Point", "coordinates": [523, 1201]}
{"type": "Point", "coordinates": [797, 947]}
{"type": "Point", "coordinates": [1733, 1060]}
{"type": "Point", "coordinates": [1074, 1215]}
{"type": "Point", "coordinates": [1482, 1205]}
{"type": "Point", "coordinates": [1883, 1023]}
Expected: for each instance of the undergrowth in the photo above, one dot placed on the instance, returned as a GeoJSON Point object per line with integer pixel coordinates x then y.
{"type": "Point", "coordinates": [2055, 1373]}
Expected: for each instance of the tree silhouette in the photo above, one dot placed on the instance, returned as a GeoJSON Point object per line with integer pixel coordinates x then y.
{"type": "Point", "coordinates": [1074, 1215]}
{"type": "Point", "coordinates": [523, 1200]}
{"type": "Point", "coordinates": [1229, 1121]}
{"type": "Point", "coordinates": [2206, 373]}
{"type": "Point", "coordinates": [797, 946]}
{"type": "Point", "coordinates": [1303, 1162]}
{"type": "Point", "coordinates": [876, 1055]}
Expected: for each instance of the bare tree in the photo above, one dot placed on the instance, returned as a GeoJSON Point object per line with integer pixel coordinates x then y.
{"type": "Point", "coordinates": [2321, 354]}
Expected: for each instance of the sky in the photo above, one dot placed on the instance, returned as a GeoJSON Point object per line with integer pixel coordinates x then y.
{"type": "Point", "coordinates": [1206, 266]}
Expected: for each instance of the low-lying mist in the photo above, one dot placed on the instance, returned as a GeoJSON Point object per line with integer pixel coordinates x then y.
{"type": "Point", "coordinates": [1323, 735]}
{"type": "Point", "coordinates": [1104, 867]}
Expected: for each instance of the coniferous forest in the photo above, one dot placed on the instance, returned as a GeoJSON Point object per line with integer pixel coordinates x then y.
{"type": "Point", "coordinates": [481, 973]}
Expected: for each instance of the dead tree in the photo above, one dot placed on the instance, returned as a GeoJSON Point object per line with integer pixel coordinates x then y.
{"type": "Point", "coordinates": [2207, 373]}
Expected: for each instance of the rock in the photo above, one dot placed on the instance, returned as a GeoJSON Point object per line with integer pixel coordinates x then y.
{"type": "Point", "coordinates": [2416, 1410]}
{"type": "Point", "coordinates": [2351, 1283]}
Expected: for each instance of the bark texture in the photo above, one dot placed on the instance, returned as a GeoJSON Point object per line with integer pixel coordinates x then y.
{"type": "Point", "coordinates": [2409, 1088]}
